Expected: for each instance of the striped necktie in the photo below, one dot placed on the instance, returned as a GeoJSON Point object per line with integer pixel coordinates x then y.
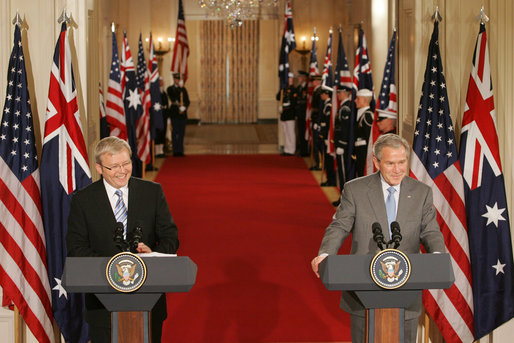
{"type": "Point", "coordinates": [120, 212]}
{"type": "Point", "coordinates": [390, 208]}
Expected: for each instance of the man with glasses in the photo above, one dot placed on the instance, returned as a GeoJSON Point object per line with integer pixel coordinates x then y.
{"type": "Point", "coordinates": [97, 210]}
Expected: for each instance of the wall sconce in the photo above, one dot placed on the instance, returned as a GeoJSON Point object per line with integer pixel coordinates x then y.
{"type": "Point", "coordinates": [159, 48]}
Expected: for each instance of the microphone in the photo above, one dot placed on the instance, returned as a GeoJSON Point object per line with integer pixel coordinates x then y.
{"type": "Point", "coordinates": [136, 238]}
{"type": "Point", "coordinates": [118, 236]}
{"type": "Point", "coordinates": [396, 236]}
{"type": "Point", "coordinates": [378, 237]}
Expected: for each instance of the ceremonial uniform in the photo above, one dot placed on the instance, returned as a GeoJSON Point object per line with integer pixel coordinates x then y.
{"type": "Point", "coordinates": [178, 111]}
{"type": "Point", "coordinates": [341, 138]}
{"type": "Point", "coordinates": [328, 164]}
{"type": "Point", "coordinates": [287, 122]}
{"type": "Point", "coordinates": [315, 118]}
{"type": "Point", "coordinates": [362, 131]}
{"type": "Point", "coordinates": [301, 109]}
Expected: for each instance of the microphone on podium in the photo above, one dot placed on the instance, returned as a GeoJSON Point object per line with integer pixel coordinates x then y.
{"type": "Point", "coordinates": [396, 236]}
{"type": "Point", "coordinates": [136, 238]}
{"type": "Point", "coordinates": [118, 237]}
{"type": "Point", "coordinates": [378, 236]}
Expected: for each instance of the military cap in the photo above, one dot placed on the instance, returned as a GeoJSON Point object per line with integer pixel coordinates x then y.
{"type": "Point", "coordinates": [383, 114]}
{"type": "Point", "coordinates": [316, 77]}
{"type": "Point", "coordinates": [303, 73]}
{"type": "Point", "coordinates": [176, 76]}
{"type": "Point", "coordinates": [364, 92]}
{"type": "Point", "coordinates": [344, 88]}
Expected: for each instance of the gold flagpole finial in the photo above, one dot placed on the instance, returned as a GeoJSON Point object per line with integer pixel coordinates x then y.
{"type": "Point", "coordinates": [64, 17]}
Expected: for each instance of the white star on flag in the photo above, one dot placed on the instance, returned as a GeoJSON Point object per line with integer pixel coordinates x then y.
{"type": "Point", "coordinates": [60, 288]}
{"type": "Point", "coordinates": [134, 99]}
{"type": "Point", "coordinates": [494, 214]}
{"type": "Point", "coordinates": [499, 267]}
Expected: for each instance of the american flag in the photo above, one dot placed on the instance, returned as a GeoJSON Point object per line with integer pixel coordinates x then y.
{"type": "Point", "coordinates": [486, 205]}
{"type": "Point", "coordinates": [143, 121]}
{"type": "Point", "coordinates": [313, 71]}
{"type": "Point", "coordinates": [115, 111]}
{"type": "Point", "coordinates": [64, 169]}
{"type": "Point", "coordinates": [435, 162]}
{"type": "Point", "coordinates": [387, 101]}
{"type": "Point", "coordinates": [23, 272]}
{"type": "Point", "coordinates": [104, 125]}
{"type": "Point", "coordinates": [343, 78]}
{"type": "Point", "coordinates": [288, 45]}
{"type": "Point", "coordinates": [132, 103]}
{"type": "Point", "coordinates": [181, 47]}
{"type": "Point", "coordinates": [156, 118]}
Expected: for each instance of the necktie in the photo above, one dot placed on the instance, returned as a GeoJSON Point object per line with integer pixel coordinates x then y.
{"type": "Point", "coordinates": [390, 208]}
{"type": "Point", "coordinates": [120, 212]}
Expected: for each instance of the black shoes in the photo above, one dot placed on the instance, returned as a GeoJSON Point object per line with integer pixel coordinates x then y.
{"type": "Point", "coordinates": [315, 168]}
{"type": "Point", "coordinates": [327, 184]}
{"type": "Point", "coordinates": [336, 203]}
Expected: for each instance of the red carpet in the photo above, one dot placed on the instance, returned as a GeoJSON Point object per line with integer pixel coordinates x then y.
{"type": "Point", "coordinates": [252, 224]}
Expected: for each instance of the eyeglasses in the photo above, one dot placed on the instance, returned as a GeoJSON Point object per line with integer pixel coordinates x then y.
{"type": "Point", "coordinates": [117, 167]}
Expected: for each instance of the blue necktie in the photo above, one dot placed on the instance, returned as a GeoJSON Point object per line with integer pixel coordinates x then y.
{"type": "Point", "coordinates": [390, 208]}
{"type": "Point", "coordinates": [120, 212]}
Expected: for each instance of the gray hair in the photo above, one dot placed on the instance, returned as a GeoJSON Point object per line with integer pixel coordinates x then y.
{"type": "Point", "coordinates": [111, 145]}
{"type": "Point", "coordinates": [390, 140]}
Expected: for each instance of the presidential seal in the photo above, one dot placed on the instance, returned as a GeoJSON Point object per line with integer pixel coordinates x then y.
{"type": "Point", "coordinates": [126, 272]}
{"type": "Point", "coordinates": [390, 269]}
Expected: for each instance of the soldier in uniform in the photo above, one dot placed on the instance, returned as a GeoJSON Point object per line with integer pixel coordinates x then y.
{"type": "Point", "coordinates": [315, 117]}
{"type": "Point", "coordinates": [178, 109]}
{"type": "Point", "coordinates": [364, 120]}
{"type": "Point", "coordinates": [328, 165]}
{"type": "Point", "coordinates": [160, 139]}
{"type": "Point", "coordinates": [301, 108]}
{"type": "Point", "coordinates": [287, 116]}
{"type": "Point", "coordinates": [342, 134]}
{"type": "Point", "coordinates": [386, 121]}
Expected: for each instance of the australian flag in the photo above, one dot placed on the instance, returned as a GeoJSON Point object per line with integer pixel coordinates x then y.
{"type": "Point", "coordinates": [288, 45]}
{"type": "Point", "coordinates": [156, 118]}
{"type": "Point", "coordinates": [64, 169]}
{"type": "Point", "coordinates": [327, 76]}
{"type": "Point", "coordinates": [486, 204]}
{"type": "Point", "coordinates": [132, 104]}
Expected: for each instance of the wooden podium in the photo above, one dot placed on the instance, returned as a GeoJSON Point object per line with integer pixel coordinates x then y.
{"type": "Point", "coordinates": [130, 311]}
{"type": "Point", "coordinates": [385, 309]}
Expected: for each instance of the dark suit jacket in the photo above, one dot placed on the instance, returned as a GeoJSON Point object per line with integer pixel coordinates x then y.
{"type": "Point", "coordinates": [362, 204]}
{"type": "Point", "coordinates": [91, 225]}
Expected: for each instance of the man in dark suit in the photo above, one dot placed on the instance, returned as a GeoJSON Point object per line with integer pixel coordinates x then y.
{"type": "Point", "coordinates": [94, 213]}
{"type": "Point", "coordinates": [301, 108]}
{"type": "Point", "coordinates": [363, 202]}
{"type": "Point", "coordinates": [179, 103]}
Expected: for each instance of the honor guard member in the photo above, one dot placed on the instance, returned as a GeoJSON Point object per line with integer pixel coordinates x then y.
{"type": "Point", "coordinates": [386, 121]}
{"type": "Point", "coordinates": [328, 164]}
{"type": "Point", "coordinates": [315, 117]}
{"type": "Point", "coordinates": [342, 134]}
{"type": "Point", "coordinates": [161, 146]}
{"type": "Point", "coordinates": [179, 103]}
{"type": "Point", "coordinates": [301, 109]}
{"type": "Point", "coordinates": [364, 120]}
{"type": "Point", "coordinates": [287, 116]}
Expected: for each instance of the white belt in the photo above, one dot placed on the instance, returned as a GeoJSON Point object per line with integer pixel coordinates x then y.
{"type": "Point", "coordinates": [360, 142]}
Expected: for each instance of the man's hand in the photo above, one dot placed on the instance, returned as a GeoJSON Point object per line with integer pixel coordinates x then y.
{"type": "Point", "coordinates": [315, 263]}
{"type": "Point", "coordinates": [143, 248]}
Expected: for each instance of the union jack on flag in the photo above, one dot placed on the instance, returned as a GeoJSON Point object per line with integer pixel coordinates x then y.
{"type": "Point", "coordinates": [64, 169]}
{"type": "Point", "coordinates": [23, 269]}
{"type": "Point", "coordinates": [115, 110]}
{"type": "Point", "coordinates": [313, 71]}
{"type": "Point", "coordinates": [181, 47]}
{"type": "Point", "coordinates": [434, 161]}
{"type": "Point", "coordinates": [486, 204]}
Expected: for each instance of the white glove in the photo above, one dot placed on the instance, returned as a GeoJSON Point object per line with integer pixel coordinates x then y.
{"type": "Point", "coordinates": [339, 151]}
{"type": "Point", "coordinates": [315, 126]}
{"type": "Point", "coordinates": [280, 109]}
{"type": "Point", "coordinates": [182, 109]}
{"type": "Point", "coordinates": [181, 83]}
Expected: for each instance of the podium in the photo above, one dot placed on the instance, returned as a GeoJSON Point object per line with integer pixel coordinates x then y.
{"type": "Point", "coordinates": [130, 320]}
{"type": "Point", "coordinates": [385, 309]}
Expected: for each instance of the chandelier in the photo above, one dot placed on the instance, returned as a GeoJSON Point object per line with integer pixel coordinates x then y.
{"type": "Point", "coordinates": [235, 11]}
